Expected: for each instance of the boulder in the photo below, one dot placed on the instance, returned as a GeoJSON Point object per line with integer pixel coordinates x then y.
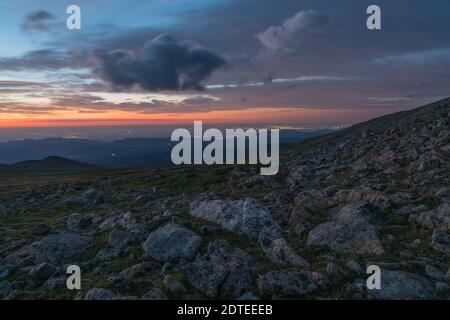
{"type": "Point", "coordinates": [348, 232]}
{"type": "Point", "coordinates": [223, 265]}
{"type": "Point", "coordinates": [171, 242]}
{"type": "Point", "coordinates": [401, 285]}
{"type": "Point", "coordinates": [122, 239]}
{"type": "Point", "coordinates": [62, 248]}
{"type": "Point", "coordinates": [245, 217]}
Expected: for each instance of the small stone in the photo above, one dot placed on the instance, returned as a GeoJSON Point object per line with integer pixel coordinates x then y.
{"type": "Point", "coordinates": [122, 239]}
{"type": "Point", "coordinates": [42, 272]}
{"type": "Point", "coordinates": [288, 283]}
{"type": "Point", "coordinates": [333, 269]}
{"type": "Point", "coordinates": [166, 268]}
{"type": "Point", "coordinates": [154, 294]}
{"type": "Point", "coordinates": [416, 243]}
{"type": "Point", "coordinates": [76, 221]}
{"type": "Point", "coordinates": [54, 283]}
{"type": "Point", "coordinates": [354, 266]}
{"type": "Point", "coordinates": [5, 271]}
{"type": "Point", "coordinates": [173, 285]}
{"type": "Point", "coordinates": [279, 251]}
{"type": "Point", "coordinates": [41, 229]}
{"type": "Point", "coordinates": [440, 240]}
{"type": "Point", "coordinates": [442, 287]}
{"type": "Point", "coordinates": [249, 296]}
{"type": "Point", "coordinates": [99, 294]}
{"type": "Point", "coordinates": [435, 273]}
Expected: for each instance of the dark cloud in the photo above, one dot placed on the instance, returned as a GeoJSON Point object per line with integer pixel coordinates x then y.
{"type": "Point", "coordinates": [38, 21]}
{"type": "Point", "coordinates": [163, 64]}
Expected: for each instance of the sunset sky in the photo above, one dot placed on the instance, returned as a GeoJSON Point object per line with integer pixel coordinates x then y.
{"type": "Point", "coordinates": [221, 61]}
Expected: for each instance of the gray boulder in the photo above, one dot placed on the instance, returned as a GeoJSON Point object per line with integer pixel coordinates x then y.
{"type": "Point", "coordinates": [434, 272]}
{"type": "Point", "coordinates": [348, 232]}
{"type": "Point", "coordinates": [122, 239]}
{"type": "Point", "coordinates": [245, 217]}
{"type": "Point", "coordinates": [171, 242]}
{"type": "Point", "coordinates": [223, 265]}
{"type": "Point", "coordinates": [62, 248]}
{"type": "Point", "coordinates": [401, 285]}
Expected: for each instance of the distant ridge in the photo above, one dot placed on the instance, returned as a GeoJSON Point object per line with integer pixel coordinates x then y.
{"type": "Point", "coordinates": [48, 165]}
{"type": "Point", "coordinates": [51, 162]}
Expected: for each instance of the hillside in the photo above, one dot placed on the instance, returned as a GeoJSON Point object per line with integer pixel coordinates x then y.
{"type": "Point", "coordinates": [377, 193]}
{"type": "Point", "coordinates": [50, 168]}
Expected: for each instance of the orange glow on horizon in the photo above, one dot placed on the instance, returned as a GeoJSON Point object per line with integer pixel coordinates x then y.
{"type": "Point", "coordinates": [122, 118]}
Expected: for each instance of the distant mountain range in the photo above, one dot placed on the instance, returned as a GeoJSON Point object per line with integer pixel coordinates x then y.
{"type": "Point", "coordinates": [133, 152]}
{"type": "Point", "coordinates": [49, 164]}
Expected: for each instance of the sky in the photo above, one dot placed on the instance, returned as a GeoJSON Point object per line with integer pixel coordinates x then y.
{"type": "Point", "coordinates": [169, 62]}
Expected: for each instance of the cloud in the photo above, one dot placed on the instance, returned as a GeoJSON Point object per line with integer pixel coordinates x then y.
{"type": "Point", "coordinates": [46, 59]}
{"type": "Point", "coordinates": [16, 84]}
{"type": "Point", "coordinates": [37, 21]}
{"type": "Point", "coordinates": [163, 64]}
{"type": "Point", "coordinates": [432, 56]}
{"type": "Point", "coordinates": [279, 37]}
{"type": "Point", "coordinates": [200, 100]}
{"type": "Point", "coordinates": [270, 81]}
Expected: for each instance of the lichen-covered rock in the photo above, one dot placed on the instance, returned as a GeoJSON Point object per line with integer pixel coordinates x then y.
{"type": "Point", "coordinates": [245, 217]}
{"type": "Point", "coordinates": [62, 248]}
{"type": "Point", "coordinates": [225, 266]}
{"type": "Point", "coordinates": [171, 242]}
{"type": "Point", "coordinates": [402, 285]}
{"type": "Point", "coordinates": [349, 232]}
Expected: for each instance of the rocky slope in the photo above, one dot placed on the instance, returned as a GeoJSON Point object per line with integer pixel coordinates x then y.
{"type": "Point", "coordinates": [376, 193]}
